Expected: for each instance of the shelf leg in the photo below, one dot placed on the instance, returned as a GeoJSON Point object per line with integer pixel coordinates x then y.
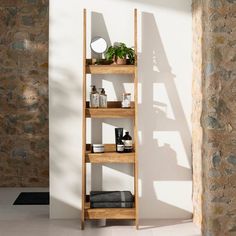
{"type": "Point", "coordinates": [136, 224]}
{"type": "Point", "coordinates": [82, 225]}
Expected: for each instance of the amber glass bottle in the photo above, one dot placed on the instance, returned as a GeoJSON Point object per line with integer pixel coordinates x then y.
{"type": "Point", "coordinates": [128, 143]}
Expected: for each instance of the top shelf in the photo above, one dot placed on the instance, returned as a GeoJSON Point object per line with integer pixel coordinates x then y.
{"type": "Point", "coordinates": [110, 69]}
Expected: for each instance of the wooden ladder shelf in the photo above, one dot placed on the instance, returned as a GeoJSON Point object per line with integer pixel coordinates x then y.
{"type": "Point", "coordinates": [113, 110]}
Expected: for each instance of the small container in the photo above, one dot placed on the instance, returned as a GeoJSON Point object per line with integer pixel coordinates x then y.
{"type": "Point", "coordinates": [102, 98]}
{"type": "Point", "coordinates": [120, 147]}
{"type": "Point", "coordinates": [126, 101]}
{"type": "Point", "coordinates": [98, 148]}
{"type": "Point", "coordinates": [128, 143]}
{"type": "Point", "coordinates": [94, 97]}
{"type": "Point", "coordinates": [94, 61]}
{"type": "Point", "coordinates": [118, 138]}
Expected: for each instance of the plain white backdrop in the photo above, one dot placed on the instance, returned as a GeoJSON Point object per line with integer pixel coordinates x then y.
{"type": "Point", "coordinates": [165, 72]}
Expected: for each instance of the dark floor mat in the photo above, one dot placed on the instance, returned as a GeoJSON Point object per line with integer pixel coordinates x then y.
{"type": "Point", "coordinates": [32, 198]}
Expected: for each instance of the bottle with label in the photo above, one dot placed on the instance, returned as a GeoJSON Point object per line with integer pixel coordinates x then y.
{"type": "Point", "coordinates": [120, 146]}
{"type": "Point", "coordinates": [128, 144]}
{"type": "Point", "coordinates": [94, 97]}
{"type": "Point", "coordinates": [118, 138]}
{"type": "Point", "coordinates": [103, 98]}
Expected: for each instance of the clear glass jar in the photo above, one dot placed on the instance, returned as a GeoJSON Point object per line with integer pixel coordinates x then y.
{"type": "Point", "coordinates": [126, 101]}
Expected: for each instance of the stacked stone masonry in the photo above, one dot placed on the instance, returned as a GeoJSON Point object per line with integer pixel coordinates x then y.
{"type": "Point", "coordinates": [24, 93]}
{"type": "Point", "coordinates": [217, 117]}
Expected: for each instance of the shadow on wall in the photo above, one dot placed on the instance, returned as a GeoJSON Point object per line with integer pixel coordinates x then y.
{"type": "Point", "coordinates": [63, 88]}
{"type": "Point", "coordinates": [64, 208]}
{"type": "Point", "coordinates": [159, 160]}
{"type": "Point", "coordinates": [98, 28]}
{"type": "Point", "coordinates": [170, 4]}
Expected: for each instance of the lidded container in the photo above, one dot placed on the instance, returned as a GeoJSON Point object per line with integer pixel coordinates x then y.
{"type": "Point", "coordinates": [98, 148]}
{"type": "Point", "coordinates": [94, 97]}
{"type": "Point", "coordinates": [126, 101]}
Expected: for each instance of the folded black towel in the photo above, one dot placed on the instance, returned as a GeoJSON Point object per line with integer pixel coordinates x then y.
{"type": "Point", "coordinates": [111, 204]}
{"type": "Point", "coordinates": [111, 196]}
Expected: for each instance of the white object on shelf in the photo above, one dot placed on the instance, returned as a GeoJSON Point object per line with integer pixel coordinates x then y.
{"type": "Point", "coordinates": [98, 148]}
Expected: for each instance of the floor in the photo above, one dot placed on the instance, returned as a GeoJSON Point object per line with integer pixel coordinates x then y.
{"type": "Point", "coordinates": [34, 221]}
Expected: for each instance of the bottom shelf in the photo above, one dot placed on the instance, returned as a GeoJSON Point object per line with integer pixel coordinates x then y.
{"type": "Point", "coordinates": [108, 213]}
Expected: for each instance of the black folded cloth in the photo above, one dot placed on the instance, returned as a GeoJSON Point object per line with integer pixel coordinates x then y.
{"type": "Point", "coordinates": [111, 196]}
{"type": "Point", "coordinates": [111, 204]}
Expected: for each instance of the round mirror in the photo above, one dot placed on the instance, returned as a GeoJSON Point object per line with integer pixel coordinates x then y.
{"type": "Point", "coordinates": [98, 44]}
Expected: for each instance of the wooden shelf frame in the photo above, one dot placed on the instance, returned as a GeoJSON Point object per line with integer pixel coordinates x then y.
{"type": "Point", "coordinates": [114, 110]}
{"type": "Point", "coordinates": [109, 156]}
{"type": "Point", "coordinates": [109, 112]}
{"type": "Point", "coordinates": [110, 69]}
{"type": "Point", "coordinates": [107, 213]}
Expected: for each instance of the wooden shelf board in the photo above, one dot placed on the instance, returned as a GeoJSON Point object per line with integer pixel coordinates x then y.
{"type": "Point", "coordinates": [108, 213]}
{"type": "Point", "coordinates": [110, 157]}
{"type": "Point", "coordinates": [109, 112]}
{"type": "Point", "coordinates": [110, 69]}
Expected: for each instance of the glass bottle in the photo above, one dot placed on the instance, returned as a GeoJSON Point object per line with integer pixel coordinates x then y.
{"type": "Point", "coordinates": [102, 98]}
{"type": "Point", "coordinates": [128, 144]}
{"type": "Point", "coordinates": [94, 97]}
{"type": "Point", "coordinates": [126, 101]}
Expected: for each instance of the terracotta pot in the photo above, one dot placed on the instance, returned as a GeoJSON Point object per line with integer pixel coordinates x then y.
{"type": "Point", "coordinates": [120, 61]}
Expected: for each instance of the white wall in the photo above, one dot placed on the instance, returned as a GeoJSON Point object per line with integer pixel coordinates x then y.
{"type": "Point", "coordinates": [164, 104]}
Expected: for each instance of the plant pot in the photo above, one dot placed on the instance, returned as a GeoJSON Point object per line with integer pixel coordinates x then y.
{"type": "Point", "coordinates": [120, 61]}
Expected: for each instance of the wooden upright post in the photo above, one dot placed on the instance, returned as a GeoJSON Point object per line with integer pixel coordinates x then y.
{"type": "Point", "coordinates": [84, 123]}
{"type": "Point", "coordinates": [136, 120]}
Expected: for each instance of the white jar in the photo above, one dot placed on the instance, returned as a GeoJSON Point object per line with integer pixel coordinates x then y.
{"type": "Point", "coordinates": [126, 101]}
{"type": "Point", "coordinates": [98, 148]}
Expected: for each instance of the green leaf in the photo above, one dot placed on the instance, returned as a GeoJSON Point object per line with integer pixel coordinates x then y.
{"type": "Point", "coordinates": [120, 50]}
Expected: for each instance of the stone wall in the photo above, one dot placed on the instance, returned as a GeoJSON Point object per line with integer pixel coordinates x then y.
{"type": "Point", "coordinates": [24, 93]}
{"type": "Point", "coordinates": [218, 117]}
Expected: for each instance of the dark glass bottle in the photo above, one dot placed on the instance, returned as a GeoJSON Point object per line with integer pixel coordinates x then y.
{"type": "Point", "coordinates": [128, 143]}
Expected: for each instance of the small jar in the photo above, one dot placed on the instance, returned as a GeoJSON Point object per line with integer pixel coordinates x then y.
{"type": "Point", "coordinates": [126, 101]}
{"type": "Point", "coordinates": [98, 148]}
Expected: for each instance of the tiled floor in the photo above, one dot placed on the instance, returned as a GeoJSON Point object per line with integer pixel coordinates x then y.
{"type": "Point", "coordinates": [34, 221]}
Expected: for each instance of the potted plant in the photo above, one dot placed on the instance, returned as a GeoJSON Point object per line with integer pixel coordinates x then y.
{"type": "Point", "coordinates": [119, 54]}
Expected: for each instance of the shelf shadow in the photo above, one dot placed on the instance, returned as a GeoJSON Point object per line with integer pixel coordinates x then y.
{"type": "Point", "coordinates": [157, 161]}
{"type": "Point", "coordinates": [160, 160]}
